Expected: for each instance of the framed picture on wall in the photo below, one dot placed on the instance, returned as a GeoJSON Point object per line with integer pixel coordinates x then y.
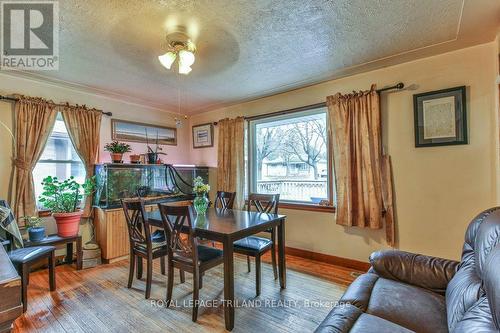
{"type": "Point", "coordinates": [203, 135]}
{"type": "Point", "coordinates": [123, 130]}
{"type": "Point", "coordinates": [440, 117]}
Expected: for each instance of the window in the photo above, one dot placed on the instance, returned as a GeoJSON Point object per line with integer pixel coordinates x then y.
{"type": "Point", "coordinates": [288, 155]}
{"type": "Point", "coordinates": [59, 158]}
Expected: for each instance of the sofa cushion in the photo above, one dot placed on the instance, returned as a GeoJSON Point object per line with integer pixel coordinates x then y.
{"type": "Point", "coordinates": [416, 269]}
{"type": "Point", "coordinates": [360, 290]}
{"type": "Point", "coordinates": [477, 319]}
{"type": "Point", "coordinates": [349, 318]}
{"type": "Point", "coordinates": [412, 307]}
{"type": "Point", "coordinates": [492, 284]}
{"type": "Point", "coordinates": [465, 289]}
{"type": "Point", "coordinates": [397, 302]}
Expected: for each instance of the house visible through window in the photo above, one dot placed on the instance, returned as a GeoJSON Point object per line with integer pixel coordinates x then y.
{"type": "Point", "coordinates": [58, 159]}
{"type": "Point", "coordinates": [288, 155]}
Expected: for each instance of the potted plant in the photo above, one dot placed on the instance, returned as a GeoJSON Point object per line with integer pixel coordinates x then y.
{"type": "Point", "coordinates": [36, 230]}
{"type": "Point", "coordinates": [117, 149]}
{"type": "Point", "coordinates": [135, 159]}
{"type": "Point", "coordinates": [63, 199]}
{"type": "Point", "coordinates": [153, 153]}
{"type": "Point", "coordinates": [200, 201]}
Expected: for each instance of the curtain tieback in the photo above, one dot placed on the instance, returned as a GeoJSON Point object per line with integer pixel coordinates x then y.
{"type": "Point", "coordinates": [20, 164]}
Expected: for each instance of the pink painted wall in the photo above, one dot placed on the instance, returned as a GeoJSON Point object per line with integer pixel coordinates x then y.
{"type": "Point", "coordinates": [179, 154]}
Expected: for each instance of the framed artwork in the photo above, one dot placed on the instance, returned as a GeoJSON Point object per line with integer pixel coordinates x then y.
{"type": "Point", "coordinates": [440, 117]}
{"type": "Point", "coordinates": [123, 130]}
{"type": "Point", "coordinates": [203, 135]}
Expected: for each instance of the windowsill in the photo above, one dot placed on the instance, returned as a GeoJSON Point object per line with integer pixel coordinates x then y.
{"type": "Point", "coordinates": [308, 207]}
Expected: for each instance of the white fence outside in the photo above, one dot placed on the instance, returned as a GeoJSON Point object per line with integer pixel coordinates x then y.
{"type": "Point", "coordinates": [297, 190]}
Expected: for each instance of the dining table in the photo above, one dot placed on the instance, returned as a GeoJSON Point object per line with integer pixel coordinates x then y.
{"type": "Point", "coordinates": [226, 226]}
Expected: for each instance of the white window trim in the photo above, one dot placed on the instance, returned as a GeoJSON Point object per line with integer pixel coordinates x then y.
{"type": "Point", "coordinates": [252, 123]}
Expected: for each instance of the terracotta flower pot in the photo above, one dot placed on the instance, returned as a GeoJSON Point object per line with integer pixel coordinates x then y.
{"type": "Point", "coordinates": [116, 157]}
{"type": "Point", "coordinates": [68, 224]}
{"type": "Point", "coordinates": [136, 159]}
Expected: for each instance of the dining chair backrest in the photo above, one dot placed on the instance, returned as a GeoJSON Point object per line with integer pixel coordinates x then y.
{"type": "Point", "coordinates": [137, 223]}
{"type": "Point", "coordinates": [263, 203]}
{"type": "Point", "coordinates": [178, 221]}
{"type": "Point", "coordinates": [224, 200]}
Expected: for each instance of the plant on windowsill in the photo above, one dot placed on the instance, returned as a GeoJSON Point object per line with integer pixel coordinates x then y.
{"type": "Point", "coordinates": [116, 150]}
{"type": "Point", "coordinates": [200, 201]}
{"type": "Point", "coordinates": [63, 199]}
{"type": "Point", "coordinates": [36, 229]}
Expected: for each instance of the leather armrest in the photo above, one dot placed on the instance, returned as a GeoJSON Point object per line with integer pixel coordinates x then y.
{"type": "Point", "coordinates": [423, 271]}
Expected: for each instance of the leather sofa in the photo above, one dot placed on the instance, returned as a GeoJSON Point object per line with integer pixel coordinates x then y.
{"type": "Point", "coordinates": [406, 292]}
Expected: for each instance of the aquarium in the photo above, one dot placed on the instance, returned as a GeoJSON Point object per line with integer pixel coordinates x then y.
{"type": "Point", "coordinates": [158, 183]}
{"type": "Point", "coordinates": [183, 176]}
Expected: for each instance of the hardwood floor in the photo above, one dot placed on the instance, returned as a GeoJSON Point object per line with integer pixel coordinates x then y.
{"type": "Point", "coordinates": [97, 300]}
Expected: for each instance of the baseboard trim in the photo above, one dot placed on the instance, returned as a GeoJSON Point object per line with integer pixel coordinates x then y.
{"type": "Point", "coordinates": [116, 259]}
{"type": "Point", "coordinates": [329, 259]}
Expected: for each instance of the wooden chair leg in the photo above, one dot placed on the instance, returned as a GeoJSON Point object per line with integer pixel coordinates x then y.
{"type": "Point", "coordinates": [131, 269]}
{"type": "Point", "coordinates": [170, 282]}
{"type": "Point", "coordinates": [79, 254]}
{"type": "Point", "coordinates": [25, 271]}
{"type": "Point", "coordinates": [182, 276]}
{"type": "Point", "coordinates": [196, 293]}
{"type": "Point", "coordinates": [52, 271]}
{"type": "Point", "coordinates": [162, 265]}
{"type": "Point", "coordinates": [139, 267]}
{"type": "Point", "coordinates": [248, 263]}
{"type": "Point", "coordinates": [273, 254]}
{"type": "Point", "coordinates": [257, 275]}
{"type": "Point", "coordinates": [149, 276]}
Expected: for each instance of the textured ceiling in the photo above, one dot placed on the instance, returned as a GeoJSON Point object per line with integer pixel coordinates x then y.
{"type": "Point", "coordinates": [250, 49]}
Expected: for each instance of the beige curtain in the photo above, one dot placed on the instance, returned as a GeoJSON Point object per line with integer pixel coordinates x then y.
{"type": "Point", "coordinates": [362, 174]}
{"type": "Point", "coordinates": [35, 118]}
{"type": "Point", "coordinates": [84, 126]}
{"type": "Point", "coordinates": [230, 158]}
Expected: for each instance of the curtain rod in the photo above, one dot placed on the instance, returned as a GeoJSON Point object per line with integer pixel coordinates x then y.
{"type": "Point", "coordinates": [13, 99]}
{"type": "Point", "coordinates": [398, 86]}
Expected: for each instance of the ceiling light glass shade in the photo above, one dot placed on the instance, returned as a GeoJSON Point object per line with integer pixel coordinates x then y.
{"type": "Point", "coordinates": [186, 58]}
{"type": "Point", "coordinates": [184, 69]}
{"type": "Point", "coordinates": [167, 59]}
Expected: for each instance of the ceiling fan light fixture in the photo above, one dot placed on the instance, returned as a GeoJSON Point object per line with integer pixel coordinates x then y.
{"type": "Point", "coordinates": [186, 58]}
{"type": "Point", "coordinates": [184, 69]}
{"type": "Point", "coordinates": [167, 59]}
{"type": "Point", "coordinates": [181, 50]}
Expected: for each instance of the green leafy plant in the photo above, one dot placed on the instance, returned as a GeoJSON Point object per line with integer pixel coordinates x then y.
{"type": "Point", "coordinates": [32, 221]}
{"type": "Point", "coordinates": [64, 196]}
{"type": "Point", "coordinates": [117, 147]}
{"type": "Point", "coordinates": [199, 187]}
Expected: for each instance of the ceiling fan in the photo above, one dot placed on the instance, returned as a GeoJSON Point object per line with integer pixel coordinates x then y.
{"type": "Point", "coordinates": [180, 48]}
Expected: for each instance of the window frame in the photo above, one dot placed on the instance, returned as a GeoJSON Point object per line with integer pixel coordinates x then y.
{"type": "Point", "coordinates": [250, 169]}
{"type": "Point", "coordinates": [59, 161]}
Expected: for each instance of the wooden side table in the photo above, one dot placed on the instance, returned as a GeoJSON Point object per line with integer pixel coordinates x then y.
{"type": "Point", "coordinates": [58, 240]}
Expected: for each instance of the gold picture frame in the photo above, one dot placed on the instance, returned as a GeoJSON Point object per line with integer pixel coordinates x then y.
{"type": "Point", "coordinates": [130, 131]}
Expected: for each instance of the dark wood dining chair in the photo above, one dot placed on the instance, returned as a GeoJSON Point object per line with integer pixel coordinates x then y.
{"type": "Point", "coordinates": [142, 243]}
{"type": "Point", "coordinates": [184, 251]}
{"type": "Point", "coordinates": [224, 200]}
{"type": "Point", "coordinates": [23, 258]}
{"type": "Point", "coordinates": [254, 246]}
